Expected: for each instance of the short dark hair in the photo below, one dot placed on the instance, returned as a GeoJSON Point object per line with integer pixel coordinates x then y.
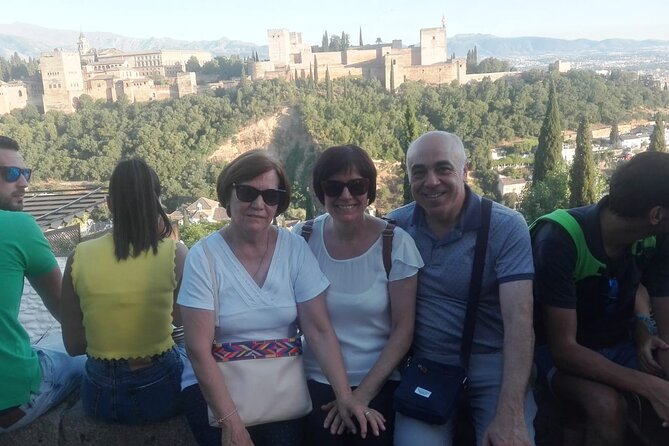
{"type": "Point", "coordinates": [8, 143]}
{"type": "Point", "coordinates": [247, 166]}
{"type": "Point", "coordinates": [136, 209]}
{"type": "Point", "coordinates": [640, 184]}
{"type": "Point", "coordinates": [344, 158]}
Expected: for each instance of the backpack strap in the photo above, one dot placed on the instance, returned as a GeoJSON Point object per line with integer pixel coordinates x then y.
{"type": "Point", "coordinates": [587, 265]}
{"type": "Point", "coordinates": [307, 229]}
{"type": "Point", "coordinates": [387, 235]}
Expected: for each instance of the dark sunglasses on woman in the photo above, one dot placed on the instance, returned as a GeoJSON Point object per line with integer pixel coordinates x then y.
{"type": "Point", "coordinates": [334, 188]}
{"type": "Point", "coordinates": [12, 173]}
{"type": "Point", "coordinates": [248, 194]}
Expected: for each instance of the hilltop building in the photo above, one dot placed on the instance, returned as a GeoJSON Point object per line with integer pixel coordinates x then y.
{"type": "Point", "coordinates": [109, 74]}
{"type": "Point", "coordinates": [392, 64]}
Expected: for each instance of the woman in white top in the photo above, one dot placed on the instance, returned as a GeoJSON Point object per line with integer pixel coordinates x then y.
{"type": "Point", "coordinates": [372, 311]}
{"type": "Point", "coordinates": [264, 279]}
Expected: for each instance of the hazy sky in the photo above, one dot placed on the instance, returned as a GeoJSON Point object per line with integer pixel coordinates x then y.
{"type": "Point", "coordinates": [388, 19]}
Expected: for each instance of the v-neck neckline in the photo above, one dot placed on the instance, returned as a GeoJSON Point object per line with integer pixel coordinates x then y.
{"type": "Point", "coordinates": [240, 268]}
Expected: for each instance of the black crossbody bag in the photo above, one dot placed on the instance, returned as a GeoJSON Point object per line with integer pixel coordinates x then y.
{"type": "Point", "coordinates": [431, 391]}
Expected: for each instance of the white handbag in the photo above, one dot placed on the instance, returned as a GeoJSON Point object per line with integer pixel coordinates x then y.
{"type": "Point", "coordinates": [265, 378]}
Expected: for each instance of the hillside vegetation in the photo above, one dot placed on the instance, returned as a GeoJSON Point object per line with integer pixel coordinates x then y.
{"type": "Point", "coordinates": [179, 137]}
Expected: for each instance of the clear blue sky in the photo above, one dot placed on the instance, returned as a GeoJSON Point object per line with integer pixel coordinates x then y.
{"type": "Point", "coordinates": [248, 20]}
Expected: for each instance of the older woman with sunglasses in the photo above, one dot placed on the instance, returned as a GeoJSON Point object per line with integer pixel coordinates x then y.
{"type": "Point", "coordinates": [244, 288]}
{"type": "Point", "coordinates": [372, 309]}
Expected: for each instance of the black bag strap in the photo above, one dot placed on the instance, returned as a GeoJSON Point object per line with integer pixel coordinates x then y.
{"type": "Point", "coordinates": [388, 247]}
{"type": "Point", "coordinates": [475, 283]}
{"type": "Point", "coordinates": [307, 229]}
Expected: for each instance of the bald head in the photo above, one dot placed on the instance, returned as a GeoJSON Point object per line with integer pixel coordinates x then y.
{"type": "Point", "coordinates": [449, 143]}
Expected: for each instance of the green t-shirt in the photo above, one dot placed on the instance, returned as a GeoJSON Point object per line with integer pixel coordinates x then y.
{"type": "Point", "coordinates": [24, 252]}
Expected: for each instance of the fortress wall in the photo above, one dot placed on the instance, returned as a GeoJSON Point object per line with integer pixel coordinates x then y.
{"type": "Point", "coordinates": [493, 76]}
{"type": "Point", "coordinates": [359, 56]}
{"type": "Point", "coordinates": [328, 58]}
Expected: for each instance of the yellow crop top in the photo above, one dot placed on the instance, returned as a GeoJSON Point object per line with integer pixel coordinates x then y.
{"type": "Point", "coordinates": [127, 304]}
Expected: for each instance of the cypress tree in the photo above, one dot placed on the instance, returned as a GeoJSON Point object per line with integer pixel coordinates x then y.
{"type": "Point", "coordinates": [295, 79]}
{"type": "Point", "coordinates": [328, 84]}
{"type": "Point", "coordinates": [657, 141]}
{"type": "Point", "coordinates": [325, 44]}
{"type": "Point", "coordinates": [360, 38]}
{"type": "Point", "coordinates": [614, 136]}
{"type": "Point", "coordinates": [242, 78]}
{"type": "Point", "coordinates": [549, 151]}
{"type": "Point", "coordinates": [344, 41]}
{"type": "Point", "coordinates": [392, 78]}
{"type": "Point", "coordinates": [583, 174]}
{"type": "Point", "coordinates": [410, 135]}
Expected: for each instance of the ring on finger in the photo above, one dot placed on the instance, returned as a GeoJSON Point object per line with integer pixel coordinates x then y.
{"type": "Point", "coordinates": [367, 412]}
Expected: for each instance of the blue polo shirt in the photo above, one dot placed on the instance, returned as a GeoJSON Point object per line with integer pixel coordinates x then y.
{"type": "Point", "coordinates": [443, 283]}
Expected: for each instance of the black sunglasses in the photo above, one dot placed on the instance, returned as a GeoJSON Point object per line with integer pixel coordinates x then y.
{"type": "Point", "coordinates": [12, 173]}
{"type": "Point", "coordinates": [248, 194]}
{"type": "Point", "coordinates": [334, 188]}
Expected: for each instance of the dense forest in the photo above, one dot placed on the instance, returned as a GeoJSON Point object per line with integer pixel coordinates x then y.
{"type": "Point", "coordinates": [177, 136]}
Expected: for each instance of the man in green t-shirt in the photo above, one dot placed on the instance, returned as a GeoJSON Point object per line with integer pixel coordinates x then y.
{"type": "Point", "coordinates": [32, 378]}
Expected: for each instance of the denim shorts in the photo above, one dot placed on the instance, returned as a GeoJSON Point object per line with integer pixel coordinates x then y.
{"type": "Point", "coordinates": [61, 375]}
{"type": "Point", "coordinates": [111, 391]}
{"type": "Point", "coordinates": [622, 353]}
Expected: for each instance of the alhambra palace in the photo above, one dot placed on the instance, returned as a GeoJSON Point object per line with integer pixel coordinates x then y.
{"type": "Point", "coordinates": [161, 74]}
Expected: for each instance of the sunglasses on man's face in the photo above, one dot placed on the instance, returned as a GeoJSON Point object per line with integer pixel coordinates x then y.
{"type": "Point", "coordinates": [248, 194]}
{"type": "Point", "coordinates": [12, 173]}
{"type": "Point", "coordinates": [334, 188]}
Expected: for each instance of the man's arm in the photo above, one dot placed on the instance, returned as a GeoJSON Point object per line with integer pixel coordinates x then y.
{"type": "Point", "coordinates": [516, 303]}
{"type": "Point", "coordinates": [572, 358]}
{"type": "Point", "coordinates": [661, 313]}
{"type": "Point", "coordinates": [47, 286]}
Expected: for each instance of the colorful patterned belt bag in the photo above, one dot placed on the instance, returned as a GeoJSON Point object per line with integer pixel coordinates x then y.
{"type": "Point", "coordinates": [265, 379]}
{"type": "Point", "coordinates": [431, 391]}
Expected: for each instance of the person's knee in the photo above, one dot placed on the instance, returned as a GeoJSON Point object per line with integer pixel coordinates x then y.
{"type": "Point", "coordinates": [605, 407]}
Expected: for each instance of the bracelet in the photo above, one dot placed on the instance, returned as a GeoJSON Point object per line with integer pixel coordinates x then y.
{"type": "Point", "coordinates": [648, 322]}
{"type": "Point", "coordinates": [225, 417]}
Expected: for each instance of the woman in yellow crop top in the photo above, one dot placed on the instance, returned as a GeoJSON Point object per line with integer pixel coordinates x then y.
{"type": "Point", "coordinates": [118, 304]}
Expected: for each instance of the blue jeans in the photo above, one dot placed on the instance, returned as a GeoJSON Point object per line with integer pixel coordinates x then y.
{"type": "Point", "coordinates": [279, 433]}
{"type": "Point", "coordinates": [484, 381]}
{"type": "Point", "coordinates": [61, 375]}
{"type": "Point", "coordinates": [110, 391]}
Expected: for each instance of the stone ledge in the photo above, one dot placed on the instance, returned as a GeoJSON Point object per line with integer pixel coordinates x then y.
{"type": "Point", "coordinates": [67, 425]}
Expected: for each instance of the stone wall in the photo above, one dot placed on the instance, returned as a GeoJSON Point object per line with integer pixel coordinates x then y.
{"type": "Point", "coordinates": [67, 425]}
{"type": "Point", "coordinates": [34, 316]}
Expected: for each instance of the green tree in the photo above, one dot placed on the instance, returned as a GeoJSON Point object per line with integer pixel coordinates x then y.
{"type": "Point", "coordinates": [540, 198]}
{"type": "Point", "coordinates": [549, 151]}
{"type": "Point", "coordinates": [409, 135]}
{"type": "Point", "coordinates": [583, 173]}
{"type": "Point", "coordinates": [392, 78]}
{"type": "Point", "coordinates": [243, 82]}
{"type": "Point", "coordinates": [614, 135]}
{"type": "Point", "coordinates": [325, 44]}
{"type": "Point", "coordinates": [657, 141]}
{"type": "Point", "coordinates": [336, 43]}
{"type": "Point", "coordinates": [328, 84]}
{"type": "Point", "coordinates": [193, 65]}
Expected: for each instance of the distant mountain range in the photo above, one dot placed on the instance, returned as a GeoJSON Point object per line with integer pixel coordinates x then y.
{"type": "Point", "coordinates": [31, 40]}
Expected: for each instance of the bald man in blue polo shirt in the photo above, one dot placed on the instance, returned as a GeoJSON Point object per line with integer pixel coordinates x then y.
{"type": "Point", "coordinates": [443, 221]}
